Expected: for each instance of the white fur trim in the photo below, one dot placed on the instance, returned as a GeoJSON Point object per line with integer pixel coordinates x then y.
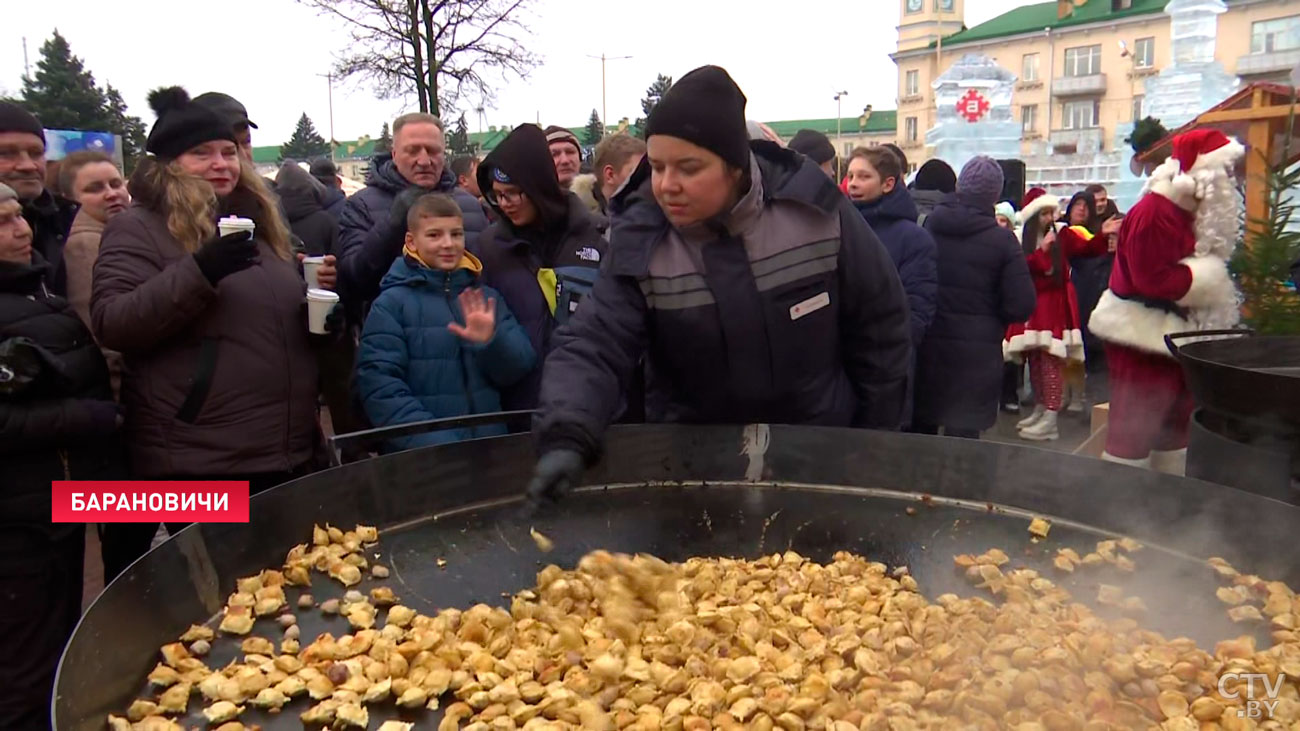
{"type": "Point", "coordinates": [1067, 347]}
{"type": "Point", "coordinates": [1221, 158]}
{"type": "Point", "coordinates": [1139, 463]}
{"type": "Point", "coordinates": [1173, 462]}
{"type": "Point", "coordinates": [1047, 200]}
{"type": "Point", "coordinates": [1125, 322]}
{"type": "Point", "coordinates": [1211, 284]}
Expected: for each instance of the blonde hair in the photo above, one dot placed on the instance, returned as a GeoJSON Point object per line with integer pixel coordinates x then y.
{"type": "Point", "coordinates": [190, 205]}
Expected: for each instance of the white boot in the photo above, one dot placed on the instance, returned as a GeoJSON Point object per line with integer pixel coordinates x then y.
{"type": "Point", "coordinates": [1142, 464]}
{"type": "Point", "coordinates": [1173, 462]}
{"type": "Point", "coordinates": [1044, 431]}
{"type": "Point", "coordinates": [1035, 417]}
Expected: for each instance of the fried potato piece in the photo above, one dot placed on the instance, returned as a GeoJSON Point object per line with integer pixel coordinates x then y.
{"type": "Point", "coordinates": [237, 621]}
{"type": "Point", "coordinates": [175, 699]}
{"type": "Point", "coordinates": [1040, 527]}
{"type": "Point", "coordinates": [221, 711]}
{"type": "Point", "coordinates": [197, 632]}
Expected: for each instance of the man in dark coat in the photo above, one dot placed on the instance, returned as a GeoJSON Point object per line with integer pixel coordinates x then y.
{"type": "Point", "coordinates": [372, 227]}
{"type": "Point", "coordinates": [324, 170]}
{"type": "Point", "coordinates": [934, 181]}
{"type": "Point", "coordinates": [763, 297]}
{"type": "Point", "coordinates": [22, 168]}
{"type": "Point", "coordinates": [302, 197]}
{"type": "Point", "coordinates": [57, 422]}
{"type": "Point", "coordinates": [984, 285]}
{"type": "Point", "coordinates": [543, 250]}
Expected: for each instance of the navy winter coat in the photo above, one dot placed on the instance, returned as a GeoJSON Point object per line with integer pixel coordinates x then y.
{"type": "Point", "coordinates": [893, 218]}
{"type": "Point", "coordinates": [984, 286]}
{"type": "Point", "coordinates": [410, 367]}
{"type": "Point", "coordinates": [369, 241]}
{"type": "Point", "coordinates": [334, 201]}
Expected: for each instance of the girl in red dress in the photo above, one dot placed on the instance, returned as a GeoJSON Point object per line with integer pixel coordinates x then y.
{"type": "Point", "coordinates": [1051, 337]}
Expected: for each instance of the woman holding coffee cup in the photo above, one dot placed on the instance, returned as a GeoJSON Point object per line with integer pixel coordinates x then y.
{"type": "Point", "coordinates": [197, 287]}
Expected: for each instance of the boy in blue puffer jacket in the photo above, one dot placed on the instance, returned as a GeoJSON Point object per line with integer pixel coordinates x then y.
{"type": "Point", "coordinates": [435, 345]}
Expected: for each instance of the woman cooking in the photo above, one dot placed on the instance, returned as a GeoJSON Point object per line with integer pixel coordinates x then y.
{"type": "Point", "coordinates": [750, 284]}
{"type": "Point", "coordinates": [220, 379]}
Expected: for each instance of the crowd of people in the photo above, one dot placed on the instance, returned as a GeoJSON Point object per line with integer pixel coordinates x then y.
{"type": "Point", "coordinates": [705, 274]}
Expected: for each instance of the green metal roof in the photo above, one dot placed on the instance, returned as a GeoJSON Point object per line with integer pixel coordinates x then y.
{"type": "Point", "coordinates": [878, 123]}
{"type": "Point", "coordinates": [1034, 18]}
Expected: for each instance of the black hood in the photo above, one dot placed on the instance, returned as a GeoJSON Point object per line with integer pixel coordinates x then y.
{"type": "Point", "coordinates": [300, 194]}
{"type": "Point", "coordinates": [23, 279]}
{"type": "Point", "coordinates": [525, 158]}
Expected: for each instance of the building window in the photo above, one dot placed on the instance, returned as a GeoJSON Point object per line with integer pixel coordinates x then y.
{"type": "Point", "coordinates": [1278, 34]}
{"type": "Point", "coordinates": [1137, 107]}
{"type": "Point", "coordinates": [915, 6]}
{"type": "Point", "coordinates": [1029, 67]}
{"type": "Point", "coordinates": [1081, 114]}
{"type": "Point", "coordinates": [912, 83]}
{"type": "Point", "coordinates": [910, 129]}
{"type": "Point", "coordinates": [1144, 53]}
{"type": "Point", "coordinates": [1083, 61]}
{"type": "Point", "coordinates": [1029, 118]}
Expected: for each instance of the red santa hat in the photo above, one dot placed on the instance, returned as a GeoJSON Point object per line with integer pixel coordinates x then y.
{"type": "Point", "coordinates": [1200, 152]}
{"type": "Point", "coordinates": [1033, 205]}
{"type": "Point", "coordinates": [1032, 195]}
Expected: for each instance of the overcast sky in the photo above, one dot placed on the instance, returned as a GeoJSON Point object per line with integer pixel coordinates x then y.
{"type": "Point", "coordinates": [267, 53]}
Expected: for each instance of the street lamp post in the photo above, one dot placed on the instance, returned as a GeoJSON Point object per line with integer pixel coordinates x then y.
{"type": "Point", "coordinates": [839, 134]}
{"type": "Point", "coordinates": [604, 120]}
{"type": "Point", "coordinates": [329, 78]}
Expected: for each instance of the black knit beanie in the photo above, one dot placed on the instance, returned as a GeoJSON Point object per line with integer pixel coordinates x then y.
{"type": "Point", "coordinates": [706, 108]}
{"type": "Point", "coordinates": [814, 145]}
{"type": "Point", "coordinates": [182, 124]}
{"type": "Point", "coordinates": [935, 175]}
{"type": "Point", "coordinates": [14, 118]}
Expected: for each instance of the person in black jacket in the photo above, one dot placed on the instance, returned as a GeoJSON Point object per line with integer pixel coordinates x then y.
{"type": "Point", "coordinates": [984, 285]}
{"type": "Point", "coordinates": [57, 422]}
{"type": "Point", "coordinates": [22, 168]}
{"type": "Point", "coordinates": [747, 280]}
{"type": "Point", "coordinates": [542, 252]}
{"type": "Point", "coordinates": [303, 197]}
{"type": "Point", "coordinates": [372, 226]}
{"type": "Point", "coordinates": [326, 172]}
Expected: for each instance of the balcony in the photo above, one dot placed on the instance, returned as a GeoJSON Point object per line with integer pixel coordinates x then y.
{"type": "Point", "coordinates": [1266, 64]}
{"type": "Point", "coordinates": [1066, 86]}
{"type": "Point", "coordinates": [1078, 141]}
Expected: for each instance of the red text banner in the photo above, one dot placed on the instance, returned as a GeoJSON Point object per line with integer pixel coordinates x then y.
{"type": "Point", "coordinates": [139, 501]}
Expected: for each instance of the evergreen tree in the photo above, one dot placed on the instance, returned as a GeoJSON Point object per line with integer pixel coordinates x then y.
{"type": "Point", "coordinates": [458, 142]}
{"type": "Point", "coordinates": [63, 94]}
{"type": "Point", "coordinates": [130, 128]}
{"type": "Point", "coordinates": [306, 143]}
{"type": "Point", "coordinates": [595, 130]}
{"type": "Point", "coordinates": [1263, 263]}
{"type": "Point", "coordinates": [651, 99]}
{"type": "Point", "coordinates": [385, 141]}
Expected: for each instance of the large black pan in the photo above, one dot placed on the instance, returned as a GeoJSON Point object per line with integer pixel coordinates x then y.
{"type": "Point", "coordinates": [677, 492]}
{"type": "Point", "coordinates": [1241, 375]}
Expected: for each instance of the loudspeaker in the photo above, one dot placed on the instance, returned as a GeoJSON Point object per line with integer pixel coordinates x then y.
{"type": "Point", "coordinates": [1013, 181]}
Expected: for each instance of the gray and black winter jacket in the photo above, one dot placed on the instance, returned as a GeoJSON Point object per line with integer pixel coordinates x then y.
{"type": "Point", "coordinates": [785, 310]}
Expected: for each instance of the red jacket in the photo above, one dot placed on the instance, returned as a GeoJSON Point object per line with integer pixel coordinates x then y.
{"type": "Point", "coordinates": [1154, 238]}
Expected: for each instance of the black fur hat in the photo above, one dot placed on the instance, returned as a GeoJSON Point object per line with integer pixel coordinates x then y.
{"type": "Point", "coordinates": [182, 124]}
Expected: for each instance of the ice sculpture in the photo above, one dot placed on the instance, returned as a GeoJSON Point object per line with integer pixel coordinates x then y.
{"type": "Point", "coordinates": [1194, 81]}
{"type": "Point", "coordinates": [973, 115]}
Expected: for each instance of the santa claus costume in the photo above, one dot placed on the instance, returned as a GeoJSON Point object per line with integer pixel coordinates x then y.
{"type": "Point", "coordinates": [1170, 275]}
{"type": "Point", "coordinates": [1051, 337]}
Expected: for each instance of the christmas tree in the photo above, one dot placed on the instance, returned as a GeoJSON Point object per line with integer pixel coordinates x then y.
{"type": "Point", "coordinates": [595, 130]}
{"type": "Point", "coordinates": [458, 142]}
{"type": "Point", "coordinates": [385, 141]}
{"type": "Point", "coordinates": [306, 143]}
{"type": "Point", "coordinates": [1263, 266]}
{"type": "Point", "coordinates": [63, 95]}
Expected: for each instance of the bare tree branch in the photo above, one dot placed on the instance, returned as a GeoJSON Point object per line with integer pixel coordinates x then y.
{"type": "Point", "coordinates": [435, 49]}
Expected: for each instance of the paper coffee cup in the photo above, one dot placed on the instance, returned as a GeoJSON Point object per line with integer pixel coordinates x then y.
{"type": "Point", "coordinates": [319, 304]}
{"type": "Point", "coordinates": [231, 224]}
{"type": "Point", "coordinates": [310, 266]}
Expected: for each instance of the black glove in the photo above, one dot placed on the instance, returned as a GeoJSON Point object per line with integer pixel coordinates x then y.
{"type": "Point", "coordinates": [556, 473]}
{"type": "Point", "coordinates": [402, 205]}
{"type": "Point", "coordinates": [105, 416]}
{"type": "Point", "coordinates": [222, 256]}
